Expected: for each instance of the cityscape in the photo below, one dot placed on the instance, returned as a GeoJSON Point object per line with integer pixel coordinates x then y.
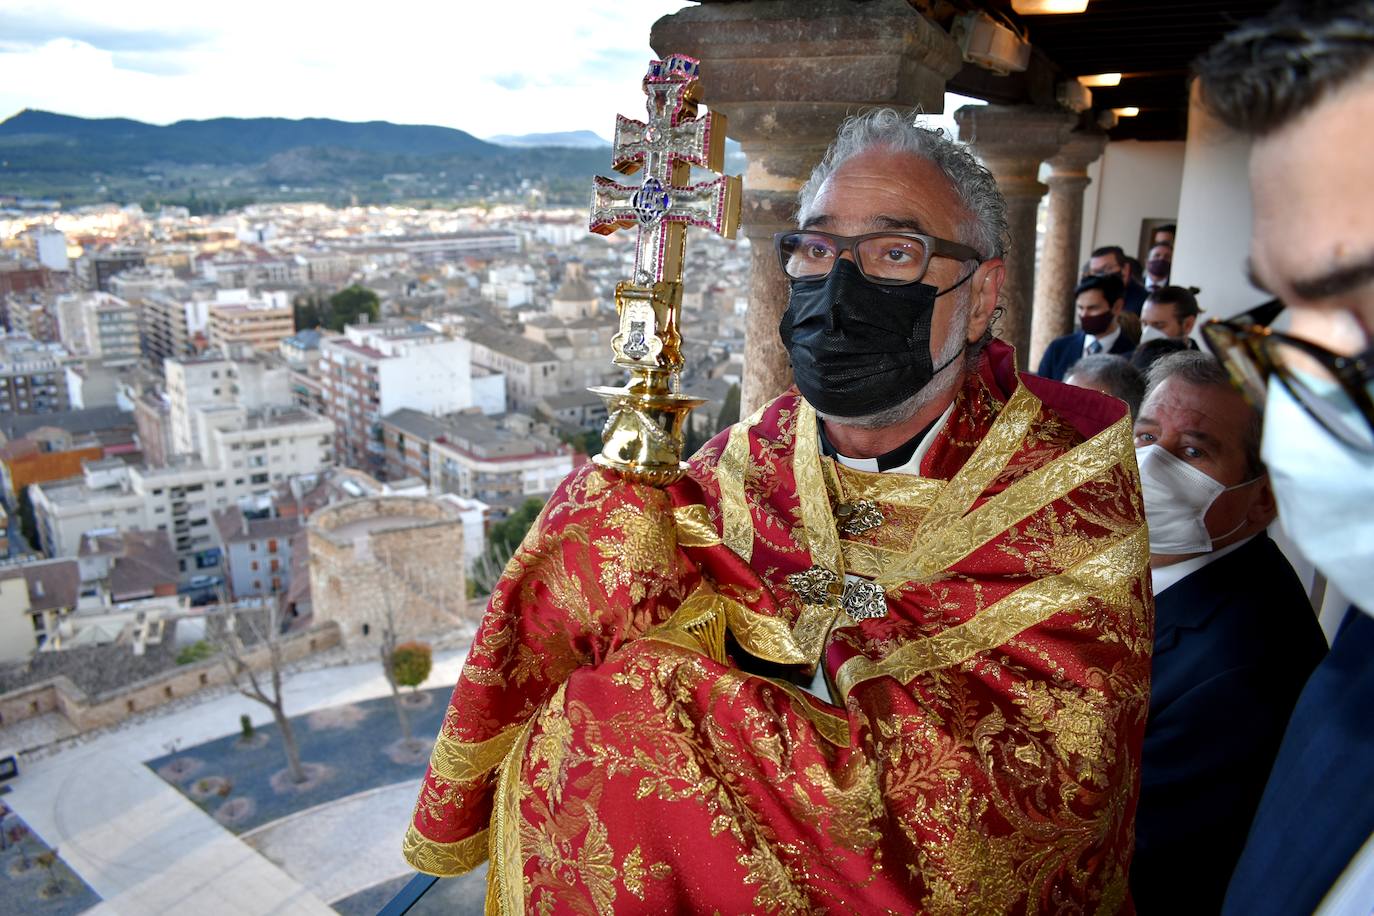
{"type": "Point", "coordinates": [278, 428]}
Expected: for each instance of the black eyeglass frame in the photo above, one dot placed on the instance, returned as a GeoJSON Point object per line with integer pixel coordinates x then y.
{"type": "Point", "coordinates": [1250, 331]}
{"type": "Point", "coordinates": [931, 245]}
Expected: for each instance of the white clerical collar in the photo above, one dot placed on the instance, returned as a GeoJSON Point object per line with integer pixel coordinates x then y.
{"type": "Point", "coordinates": [1107, 340]}
{"type": "Point", "coordinates": [1167, 576]}
{"type": "Point", "coordinates": [913, 464]}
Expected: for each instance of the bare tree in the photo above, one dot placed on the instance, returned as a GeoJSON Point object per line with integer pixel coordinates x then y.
{"type": "Point", "coordinates": [396, 583]}
{"type": "Point", "coordinates": [263, 629]}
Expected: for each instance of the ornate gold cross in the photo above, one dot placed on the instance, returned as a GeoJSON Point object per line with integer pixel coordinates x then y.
{"type": "Point", "coordinates": [643, 433]}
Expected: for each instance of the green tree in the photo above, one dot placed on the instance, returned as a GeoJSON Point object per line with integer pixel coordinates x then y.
{"type": "Point", "coordinates": [411, 662]}
{"type": "Point", "coordinates": [729, 411]}
{"type": "Point", "coordinates": [502, 540]}
{"type": "Point", "coordinates": [349, 304]}
{"type": "Point", "coordinates": [306, 311]}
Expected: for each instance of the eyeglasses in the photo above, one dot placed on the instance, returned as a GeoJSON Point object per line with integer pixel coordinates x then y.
{"type": "Point", "coordinates": [1334, 389]}
{"type": "Point", "coordinates": [888, 258]}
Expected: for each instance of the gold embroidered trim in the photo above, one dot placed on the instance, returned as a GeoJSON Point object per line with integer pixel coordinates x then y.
{"type": "Point", "coordinates": [444, 859]}
{"type": "Point", "coordinates": [906, 490]}
{"type": "Point", "coordinates": [694, 528]}
{"type": "Point", "coordinates": [867, 560]}
{"type": "Point", "coordinates": [1005, 436]}
{"type": "Point", "coordinates": [507, 861]}
{"type": "Point", "coordinates": [768, 638]}
{"type": "Point", "coordinates": [737, 523]}
{"type": "Point", "coordinates": [821, 538]}
{"type": "Point", "coordinates": [698, 624]}
{"type": "Point", "coordinates": [462, 761]}
{"type": "Point", "coordinates": [1036, 490]}
{"type": "Point", "coordinates": [1111, 570]}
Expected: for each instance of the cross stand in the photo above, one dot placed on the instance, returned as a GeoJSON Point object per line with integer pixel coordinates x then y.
{"type": "Point", "coordinates": [643, 435]}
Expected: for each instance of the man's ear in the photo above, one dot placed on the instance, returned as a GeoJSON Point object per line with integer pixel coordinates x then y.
{"type": "Point", "coordinates": [1117, 306]}
{"type": "Point", "coordinates": [984, 288]}
{"type": "Point", "coordinates": [1265, 508]}
{"type": "Point", "coordinates": [1188, 324]}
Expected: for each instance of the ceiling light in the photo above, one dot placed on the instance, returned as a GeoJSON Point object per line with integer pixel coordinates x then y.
{"type": "Point", "coordinates": [1128, 112]}
{"type": "Point", "coordinates": [1046, 7]}
{"type": "Point", "coordinates": [1100, 79]}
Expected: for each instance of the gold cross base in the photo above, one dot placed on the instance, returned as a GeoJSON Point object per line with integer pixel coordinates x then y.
{"type": "Point", "coordinates": [643, 433]}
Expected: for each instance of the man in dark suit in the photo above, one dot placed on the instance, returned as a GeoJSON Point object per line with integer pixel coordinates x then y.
{"type": "Point", "coordinates": [1098, 301]}
{"type": "Point", "coordinates": [1111, 261]}
{"type": "Point", "coordinates": [1235, 635]}
{"type": "Point", "coordinates": [1298, 82]}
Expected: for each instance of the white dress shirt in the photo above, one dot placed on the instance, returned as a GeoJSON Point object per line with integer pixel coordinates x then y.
{"type": "Point", "coordinates": [1107, 341]}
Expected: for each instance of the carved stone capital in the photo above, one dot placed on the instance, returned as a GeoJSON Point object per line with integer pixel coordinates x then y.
{"type": "Point", "coordinates": [1014, 139]}
{"type": "Point", "coordinates": [1081, 151]}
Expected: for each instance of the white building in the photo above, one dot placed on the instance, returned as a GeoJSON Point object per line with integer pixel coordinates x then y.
{"type": "Point", "coordinates": [374, 370]}
{"type": "Point", "coordinates": [236, 377]}
{"type": "Point", "coordinates": [100, 325]}
{"type": "Point", "coordinates": [244, 454]}
{"type": "Point", "coordinates": [51, 247]}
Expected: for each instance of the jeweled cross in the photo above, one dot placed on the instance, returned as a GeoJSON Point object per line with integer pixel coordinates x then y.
{"type": "Point", "coordinates": [666, 147]}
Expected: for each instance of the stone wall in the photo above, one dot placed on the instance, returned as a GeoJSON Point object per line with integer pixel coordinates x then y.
{"type": "Point", "coordinates": [396, 555]}
{"type": "Point", "coordinates": [88, 711]}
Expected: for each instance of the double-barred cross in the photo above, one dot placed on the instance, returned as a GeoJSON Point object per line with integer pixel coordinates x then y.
{"type": "Point", "coordinates": [666, 147]}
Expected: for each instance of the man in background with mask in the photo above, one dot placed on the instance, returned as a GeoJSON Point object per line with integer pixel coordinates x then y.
{"type": "Point", "coordinates": [1098, 303]}
{"type": "Point", "coordinates": [1111, 261]}
{"type": "Point", "coordinates": [1300, 82]}
{"type": "Point", "coordinates": [1235, 636]}
{"type": "Point", "coordinates": [1158, 265]}
{"type": "Point", "coordinates": [885, 648]}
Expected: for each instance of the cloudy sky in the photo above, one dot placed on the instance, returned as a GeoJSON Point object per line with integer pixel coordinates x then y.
{"type": "Point", "coordinates": [512, 66]}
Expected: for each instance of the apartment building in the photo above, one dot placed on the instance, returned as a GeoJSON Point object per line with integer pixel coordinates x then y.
{"type": "Point", "coordinates": [374, 370]}
{"type": "Point", "coordinates": [242, 454]}
{"type": "Point", "coordinates": [237, 376]}
{"type": "Point", "coordinates": [262, 321]}
{"type": "Point", "coordinates": [32, 376]}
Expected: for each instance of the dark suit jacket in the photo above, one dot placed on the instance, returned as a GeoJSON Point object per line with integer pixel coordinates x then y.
{"type": "Point", "coordinates": [1234, 643]}
{"type": "Point", "coordinates": [1135, 295]}
{"type": "Point", "coordinates": [1064, 351]}
{"type": "Point", "coordinates": [1318, 808]}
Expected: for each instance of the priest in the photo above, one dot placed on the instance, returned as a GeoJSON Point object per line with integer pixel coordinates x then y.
{"type": "Point", "coordinates": [886, 647]}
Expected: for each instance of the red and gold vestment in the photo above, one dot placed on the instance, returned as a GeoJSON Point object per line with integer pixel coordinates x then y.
{"type": "Point", "coordinates": [614, 746]}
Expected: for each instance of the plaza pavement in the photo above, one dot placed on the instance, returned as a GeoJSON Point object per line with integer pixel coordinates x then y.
{"type": "Point", "coordinates": [146, 849]}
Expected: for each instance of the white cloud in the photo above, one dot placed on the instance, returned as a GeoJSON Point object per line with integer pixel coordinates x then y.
{"type": "Point", "coordinates": [514, 67]}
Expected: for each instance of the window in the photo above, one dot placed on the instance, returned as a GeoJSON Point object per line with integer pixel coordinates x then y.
{"type": "Point", "coordinates": [271, 545]}
{"type": "Point", "coordinates": [253, 566]}
{"type": "Point", "coordinates": [258, 478]}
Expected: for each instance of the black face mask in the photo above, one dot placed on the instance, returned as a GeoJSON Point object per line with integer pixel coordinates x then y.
{"type": "Point", "coordinates": [858, 347]}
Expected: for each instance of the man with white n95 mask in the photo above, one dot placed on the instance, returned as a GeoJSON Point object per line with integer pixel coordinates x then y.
{"type": "Point", "coordinates": [1235, 636]}
{"type": "Point", "coordinates": [1300, 82]}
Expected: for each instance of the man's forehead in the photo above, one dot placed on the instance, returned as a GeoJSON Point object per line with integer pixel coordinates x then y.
{"type": "Point", "coordinates": [882, 188]}
{"type": "Point", "coordinates": [1180, 404]}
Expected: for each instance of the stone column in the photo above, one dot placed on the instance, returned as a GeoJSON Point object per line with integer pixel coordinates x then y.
{"type": "Point", "coordinates": [1012, 141]}
{"type": "Point", "coordinates": [1057, 272]}
{"type": "Point", "coordinates": [786, 73]}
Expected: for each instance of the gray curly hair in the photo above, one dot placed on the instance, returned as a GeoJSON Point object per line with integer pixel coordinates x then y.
{"type": "Point", "coordinates": [886, 128]}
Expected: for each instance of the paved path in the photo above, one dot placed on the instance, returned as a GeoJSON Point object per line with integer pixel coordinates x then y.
{"type": "Point", "coordinates": [344, 846]}
{"type": "Point", "coordinates": [146, 849]}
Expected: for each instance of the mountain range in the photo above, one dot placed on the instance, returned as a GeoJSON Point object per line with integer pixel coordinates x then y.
{"type": "Point", "coordinates": [221, 162]}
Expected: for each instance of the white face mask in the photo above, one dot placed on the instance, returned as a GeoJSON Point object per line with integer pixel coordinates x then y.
{"type": "Point", "coordinates": [1177, 497]}
{"type": "Point", "coordinates": [1153, 333]}
{"type": "Point", "coordinates": [1325, 490]}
